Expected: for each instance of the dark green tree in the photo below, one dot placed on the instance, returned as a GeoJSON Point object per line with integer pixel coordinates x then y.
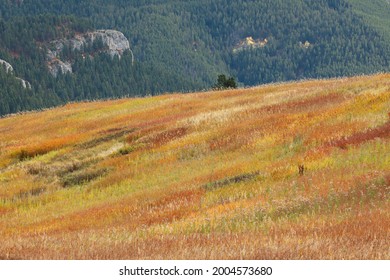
{"type": "Point", "coordinates": [225, 83]}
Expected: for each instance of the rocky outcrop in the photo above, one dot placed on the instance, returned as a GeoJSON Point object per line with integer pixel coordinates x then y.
{"type": "Point", "coordinates": [111, 42]}
{"type": "Point", "coordinates": [115, 42]}
{"type": "Point", "coordinates": [9, 69]}
{"type": "Point", "coordinates": [57, 66]}
{"type": "Point", "coordinates": [24, 83]}
{"type": "Point", "coordinates": [249, 43]}
{"type": "Point", "coordinates": [305, 45]}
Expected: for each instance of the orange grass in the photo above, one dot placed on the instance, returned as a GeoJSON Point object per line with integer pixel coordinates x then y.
{"type": "Point", "coordinates": [210, 175]}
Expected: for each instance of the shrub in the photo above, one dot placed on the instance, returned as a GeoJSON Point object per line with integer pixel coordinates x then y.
{"type": "Point", "coordinates": [126, 150]}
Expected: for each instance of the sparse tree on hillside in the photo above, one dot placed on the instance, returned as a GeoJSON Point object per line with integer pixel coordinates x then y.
{"type": "Point", "coordinates": [225, 83]}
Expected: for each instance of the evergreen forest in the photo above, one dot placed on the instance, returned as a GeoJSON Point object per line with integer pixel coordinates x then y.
{"type": "Point", "coordinates": [183, 46]}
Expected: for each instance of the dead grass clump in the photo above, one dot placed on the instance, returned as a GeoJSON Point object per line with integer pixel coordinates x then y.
{"type": "Point", "coordinates": [73, 166]}
{"type": "Point", "coordinates": [45, 147]}
{"type": "Point", "coordinates": [36, 169]}
{"type": "Point", "coordinates": [95, 142]}
{"type": "Point", "coordinates": [229, 141]}
{"type": "Point", "coordinates": [387, 179]}
{"type": "Point", "coordinates": [361, 137]}
{"type": "Point", "coordinates": [126, 150]}
{"type": "Point", "coordinates": [232, 180]}
{"type": "Point", "coordinates": [306, 105]}
{"type": "Point", "coordinates": [26, 154]}
{"type": "Point", "coordinates": [168, 136]}
{"type": "Point", "coordinates": [82, 177]}
{"type": "Point", "coordinates": [29, 193]}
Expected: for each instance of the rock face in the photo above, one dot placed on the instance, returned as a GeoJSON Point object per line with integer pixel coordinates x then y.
{"type": "Point", "coordinates": [112, 42]}
{"type": "Point", "coordinates": [56, 66]}
{"type": "Point", "coordinates": [249, 43]}
{"type": "Point", "coordinates": [9, 69]}
{"type": "Point", "coordinates": [25, 84]}
{"type": "Point", "coordinates": [305, 45]}
{"type": "Point", "coordinates": [115, 41]}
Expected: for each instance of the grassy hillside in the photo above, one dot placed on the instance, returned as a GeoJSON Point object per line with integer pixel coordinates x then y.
{"type": "Point", "coordinates": [376, 12]}
{"type": "Point", "coordinates": [205, 175]}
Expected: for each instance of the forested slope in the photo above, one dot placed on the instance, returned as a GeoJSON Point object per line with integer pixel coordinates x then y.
{"type": "Point", "coordinates": [184, 45]}
{"type": "Point", "coordinates": [376, 13]}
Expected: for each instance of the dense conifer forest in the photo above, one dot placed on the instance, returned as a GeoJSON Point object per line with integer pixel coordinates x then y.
{"type": "Point", "coordinates": [183, 46]}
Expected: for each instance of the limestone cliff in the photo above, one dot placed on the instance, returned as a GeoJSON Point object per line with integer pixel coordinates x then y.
{"type": "Point", "coordinates": [111, 42]}
{"type": "Point", "coordinates": [9, 69]}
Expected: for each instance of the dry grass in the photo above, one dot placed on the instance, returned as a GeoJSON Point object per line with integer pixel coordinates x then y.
{"type": "Point", "coordinates": [289, 171]}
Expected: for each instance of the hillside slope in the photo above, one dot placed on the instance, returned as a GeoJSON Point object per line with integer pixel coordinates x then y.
{"type": "Point", "coordinates": [288, 171]}
{"type": "Point", "coordinates": [376, 12]}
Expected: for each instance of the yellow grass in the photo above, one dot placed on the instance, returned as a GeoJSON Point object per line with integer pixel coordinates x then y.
{"type": "Point", "coordinates": [203, 176]}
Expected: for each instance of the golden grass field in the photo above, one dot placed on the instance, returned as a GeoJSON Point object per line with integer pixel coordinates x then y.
{"type": "Point", "coordinates": [212, 175]}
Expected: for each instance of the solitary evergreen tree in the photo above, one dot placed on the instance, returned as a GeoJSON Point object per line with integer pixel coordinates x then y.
{"type": "Point", "coordinates": [225, 83]}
